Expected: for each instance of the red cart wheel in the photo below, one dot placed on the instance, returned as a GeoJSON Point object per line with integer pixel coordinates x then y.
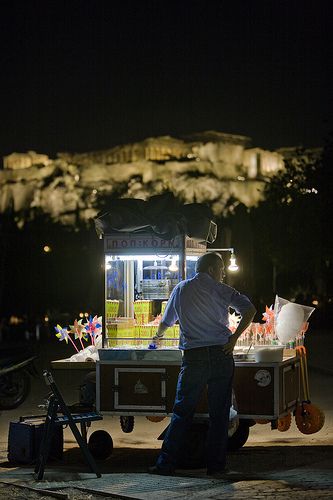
{"type": "Point", "coordinates": [284, 423]}
{"type": "Point", "coordinates": [153, 418]}
{"type": "Point", "coordinates": [309, 418]}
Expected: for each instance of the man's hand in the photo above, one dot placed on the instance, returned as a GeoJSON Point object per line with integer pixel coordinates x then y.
{"type": "Point", "coordinates": [228, 348]}
{"type": "Point", "coordinates": [157, 340]}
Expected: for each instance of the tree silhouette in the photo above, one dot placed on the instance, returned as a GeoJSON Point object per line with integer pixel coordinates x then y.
{"type": "Point", "coordinates": [292, 226]}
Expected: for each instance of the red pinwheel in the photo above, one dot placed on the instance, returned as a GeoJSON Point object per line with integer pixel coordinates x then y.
{"type": "Point", "coordinates": [268, 317]}
{"type": "Point", "coordinates": [94, 327]}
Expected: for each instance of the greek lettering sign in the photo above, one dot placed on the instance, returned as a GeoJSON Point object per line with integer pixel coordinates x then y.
{"type": "Point", "coordinates": [141, 244]}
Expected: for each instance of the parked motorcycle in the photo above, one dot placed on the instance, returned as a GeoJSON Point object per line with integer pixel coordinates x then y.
{"type": "Point", "coordinates": [15, 373]}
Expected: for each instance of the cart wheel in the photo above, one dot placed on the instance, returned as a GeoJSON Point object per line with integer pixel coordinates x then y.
{"type": "Point", "coordinates": [239, 437]}
{"type": "Point", "coordinates": [309, 418]}
{"type": "Point", "coordinates": [126, 424]}
{"type": "Point", "coordinates": [194, 449]}
{"type": "Point", "coordinates": [100, 445]}
{"type": "Point", "coordinates": [284, 423]}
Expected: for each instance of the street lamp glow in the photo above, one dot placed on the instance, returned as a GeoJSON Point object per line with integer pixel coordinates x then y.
{"type": "Point", "coordinates": [233, 267]}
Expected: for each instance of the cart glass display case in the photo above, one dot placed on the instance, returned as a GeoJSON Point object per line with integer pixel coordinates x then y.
{"type": "Point", "coordinates": [141, 271]}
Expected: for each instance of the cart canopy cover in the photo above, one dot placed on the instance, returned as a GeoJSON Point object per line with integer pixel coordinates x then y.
{"type": "Point", "coordinates": [162, 215]}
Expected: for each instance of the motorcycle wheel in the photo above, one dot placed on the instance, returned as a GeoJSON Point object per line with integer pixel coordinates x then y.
{"type": "Point", "coordinates": [14, 389]}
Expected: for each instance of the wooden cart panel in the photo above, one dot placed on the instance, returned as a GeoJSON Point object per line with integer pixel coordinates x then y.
{"type": "Point", "coordinates": [136, 387]}
{"type": "Point", "coordinates": [267, 390]}
{"type": "Point", "coordinates": [262, 390]}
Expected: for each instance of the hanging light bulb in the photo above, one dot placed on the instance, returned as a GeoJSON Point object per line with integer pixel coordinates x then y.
{"type": "Point", "coordinates": [173, 266]}
{"type": "Point", "coordinates": [233, 265]}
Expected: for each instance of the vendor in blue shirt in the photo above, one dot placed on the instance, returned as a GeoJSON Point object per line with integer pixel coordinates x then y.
{"type": "Point", "coordinates": [201, 306]}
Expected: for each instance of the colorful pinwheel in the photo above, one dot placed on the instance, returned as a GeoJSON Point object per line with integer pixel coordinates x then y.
{"type": "Point", "coordinates": [268, 317]}
{"type": "Point", "coordinates": [63, 334]}
{"type": "Point", "coordinates": [94, 327]}
{"type": "Point", "coordinates": [79, 331]}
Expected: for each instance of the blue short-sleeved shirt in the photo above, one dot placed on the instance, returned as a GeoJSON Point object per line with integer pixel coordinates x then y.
{"type": "Point", "coordinates": [201, 305]}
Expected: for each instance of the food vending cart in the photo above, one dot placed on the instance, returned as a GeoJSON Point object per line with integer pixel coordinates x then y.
{"type": "Point", "coordinates": [141, 268]}
{"type": "Point", "coordinates": [140, 273]}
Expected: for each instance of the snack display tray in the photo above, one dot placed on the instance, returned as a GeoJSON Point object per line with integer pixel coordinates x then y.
{"type": "Point", "coordinates": [160, 355]}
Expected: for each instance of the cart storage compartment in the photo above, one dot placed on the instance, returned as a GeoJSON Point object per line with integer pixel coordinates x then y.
{"type": "Point", "coordinates": [267, 389]}
{"type": "Point", "coordinates": [139, 381]}
{"type": "Point", "coordinates": [137, 388]}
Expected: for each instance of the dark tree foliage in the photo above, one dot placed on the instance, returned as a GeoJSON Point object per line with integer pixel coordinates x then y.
{"type": "Point", "coordinates": [286, 221]}
{"type": "Point", "coordinates": [292, 227]}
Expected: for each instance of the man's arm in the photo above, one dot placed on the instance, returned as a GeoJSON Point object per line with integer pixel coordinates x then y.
{"type": "Point", "coordinates": [169, 316]}
{"type": "Point", "coordinates": [160, 332]}
{"type": "Point", "coordinates": [246, 319]}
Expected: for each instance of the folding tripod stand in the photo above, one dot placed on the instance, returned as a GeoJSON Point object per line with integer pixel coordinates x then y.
{"type": "Point", "coordinates": [52, 419]}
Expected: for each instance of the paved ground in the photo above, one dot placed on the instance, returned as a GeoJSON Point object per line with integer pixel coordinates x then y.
{"type": "Point", "coordinates": [271, 464]}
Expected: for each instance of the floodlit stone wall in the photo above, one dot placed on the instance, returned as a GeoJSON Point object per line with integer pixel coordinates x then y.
{"type": "Point", "coordinates": [258, 162]}
{"type": "Point", "coordinates": [208, 167]}
{"type": "Point", "coordinates": [17, 161]}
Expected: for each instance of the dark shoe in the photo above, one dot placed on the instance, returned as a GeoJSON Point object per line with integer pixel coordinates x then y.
{"type": "Point", "coordinates": [161, 472]}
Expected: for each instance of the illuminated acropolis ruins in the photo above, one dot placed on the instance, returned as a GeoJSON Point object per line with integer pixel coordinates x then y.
{"type": "Point", "coordinates": [211, 167]}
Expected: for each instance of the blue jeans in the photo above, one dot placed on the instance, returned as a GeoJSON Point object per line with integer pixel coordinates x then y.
{"type": "Point", "coordinates": [201, 367]}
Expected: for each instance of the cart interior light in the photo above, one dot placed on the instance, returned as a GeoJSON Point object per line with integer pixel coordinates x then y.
{"type": "Point", "coordinates": [154, 268]}
{"type": "Point", "coordinates": [233, 265]}
{"type": "Point", "coordinates": [173, 266]}
{"type": "Point", "coordinates": [140, 258]}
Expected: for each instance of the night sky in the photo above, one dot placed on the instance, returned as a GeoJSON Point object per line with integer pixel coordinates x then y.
{"type": "Point", "coordinates": [82, 75]}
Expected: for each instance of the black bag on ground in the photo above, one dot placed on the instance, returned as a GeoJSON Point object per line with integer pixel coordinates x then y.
{"type": "Point", "coordinates": [24, 439]}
